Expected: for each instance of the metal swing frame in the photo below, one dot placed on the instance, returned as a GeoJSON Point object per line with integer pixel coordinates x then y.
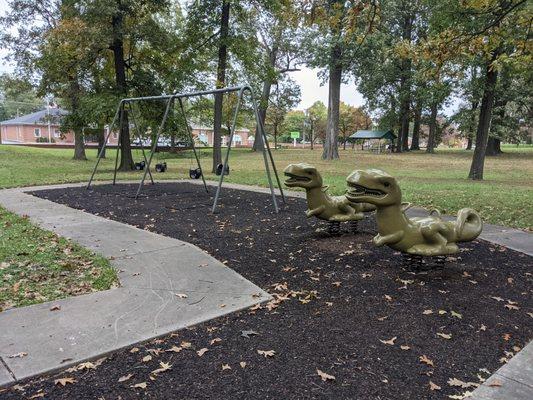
{"type": "Point", "coordinates": [267, 153]}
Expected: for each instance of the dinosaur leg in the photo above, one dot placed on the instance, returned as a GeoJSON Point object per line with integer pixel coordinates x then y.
{"type": "Point", "coordinates": [434, 234]}
{"type": "Point", "coordinates": [388, 239]}
{"type": "Point", "coordinates": [315, 211]}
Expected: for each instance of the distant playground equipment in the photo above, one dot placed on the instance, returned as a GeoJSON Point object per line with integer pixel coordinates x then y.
{"type": "Point", "coordinates": [376, 141]}
{"type": "Point", "coordinates": [220, 168]}
{"type": "Point", "coordinates": [139, 166]}
{"type": "Point", "coordinates": [126, 106]}
{"type": "Point", "coordinates": [334, 209]}
{"type": "Point", "coordinates": [417, 237]}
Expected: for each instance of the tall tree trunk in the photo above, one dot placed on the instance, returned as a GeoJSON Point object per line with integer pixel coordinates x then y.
{"type": "Point", "coordinates": [265, 97]}
{"type": "Point", "coordinates": [415, 142]}
{"type": "Point", "coordinates": [471, 133]}
{"type": "Point", "coordinates": [221, 80]}
{"type": "Point", "coordinates": [126, 159]}
{"type": "Point", "coordinates": [485, 114]}
{"type": "Point", "coordinates": [405, 89]}
{"type": "Point", "coordinates": [101, 140]}
{"type": "Point", "coordinates": [469, 142]}
{"type": "Point", "coordinates": [494, 146]}
{"type": "Point", "coordinates": [331, 150]}
{"type": "Point", "coordinates": [432, 128]}
{"type": "Point", "coordinates": [79, 145]}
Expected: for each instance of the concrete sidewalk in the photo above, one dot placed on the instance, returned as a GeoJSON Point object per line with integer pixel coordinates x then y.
{"type": "Point", "coordinates": [153, 269]}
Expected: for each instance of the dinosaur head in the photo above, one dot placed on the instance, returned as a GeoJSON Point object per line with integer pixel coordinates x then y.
{"type": "Point", "coordinates": [373, 186]}
{"type": "Point", "coordinates": [302, 175]}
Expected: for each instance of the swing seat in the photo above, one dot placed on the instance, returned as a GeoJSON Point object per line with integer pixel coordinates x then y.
{"type": "Point", "coordinates": [140, 166]}
{"type": "Point", "coordinates": [195, 173]}
{"type": "Point", "coordinates": [219, 169]}
{"type": "Point", "coordinates": [161, 167]}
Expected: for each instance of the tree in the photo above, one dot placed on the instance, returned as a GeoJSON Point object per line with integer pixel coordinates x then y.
{"type": "Point", "coordinates": [277, 25]}
{"type": "Point", "coordinates": [316, 121]}
{"type": "Point", "coordinates": [352, 119]}
{"type": "Point", "coordinates": [286, 95]}
{"type": "Point", "coordinates": [336, 31]}
{"type": "Point", "coordinates": [17, 97]}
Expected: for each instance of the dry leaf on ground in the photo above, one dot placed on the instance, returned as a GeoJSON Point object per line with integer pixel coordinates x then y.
{"type": "Point", "coordinates": [141, 385]}
{"type": "Point", "coordinates": [64, 381]}
{"type": "Point", "coordinates": [424, 359]}
{"type": "Point", "coordinates": [390, 342]}
{"type": "Point", "coordinates": [434, 386]}
{"type": "Point", "coordinates": [125, 378]}
{"type": "Point", "coordinates": [325, 377]}
{"type": "Point", "coordinates": [267, 353]}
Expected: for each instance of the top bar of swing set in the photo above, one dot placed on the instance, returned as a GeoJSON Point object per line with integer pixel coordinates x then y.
{"type": "Point", "coordinates": [240, 89]}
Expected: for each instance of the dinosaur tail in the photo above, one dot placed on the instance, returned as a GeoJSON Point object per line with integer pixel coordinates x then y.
{"type": "Point", "coordinates": [468, 225]}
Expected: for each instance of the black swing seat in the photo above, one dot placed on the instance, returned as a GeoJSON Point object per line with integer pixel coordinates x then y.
{"type": "Point", "coordinates": [219, 169]}
{"type": "Point", "coordinates": [195, 173]}
{"type": "Point", "coordinates": [161, 167]}
{"type": "Point", "coordinates": [140, 166]}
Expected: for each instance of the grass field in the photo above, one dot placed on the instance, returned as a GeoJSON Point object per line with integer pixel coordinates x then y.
{"type": "Point", "coordinates": [38, 266]}
{"type": "Point", "coordinates": [505, 196]}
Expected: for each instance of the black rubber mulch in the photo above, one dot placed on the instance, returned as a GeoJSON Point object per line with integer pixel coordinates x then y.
{"type": "Point", "coordinates": [344, 296]}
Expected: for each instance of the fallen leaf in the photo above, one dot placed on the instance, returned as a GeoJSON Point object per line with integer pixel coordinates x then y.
{"type": "Point", "coordinates": [125, 378]}
{"type": "Point", "coordinates": [39, 395]}
{"type": "Point", "coordinates": [427, 312]}
{"type": "Point", "coordinates": [186, 345]}
{"type": "Point", "coordinates": [64, 381]}
{"type": "Point", "coordinates": [442, 312]}
{"type": "Point", "coordinates": [85, 365]}
{"type": "Point", "coordinates": [446, 336]}
{"type": "Point", "coordinates": [134, 350]}
{"type": "Point", "coordinates": [495, 383]}
{"type": "Point", "coordinates": [175, 349]}
{"type": "Point", "coordinates": [506, 336]}
{"type": "Point", "coordinates": [387, 297]}
{"type": "Point", "coordinates": [390, 342]}
{"type": "Point", "coordinates": [215, 341]}
{"type": "Point", "coordinates": [164, 367]}
{"type": "Point", "coordinates": [456, 314]}
{"type": "Point", "coordinates": [459, 383]}
{"type": "Point", "coordinates": [181, 295]}
{"type": "Point", "coordinates": [55, 308]}
{"type": "Point", "coordinates": [267, 353]}
{"type": "Point", "coordinates": [247, 334]}
{"type": "Point", "coordinates": [426, 360]}
{"type": "Point", "coordinates": [141, 385]}
{"type": "Point", "coordinates": [325, 377]}
{"type": "Point", "coordinates": [433, 386]}
{"type": "Point", "coordinates": [18, 355]}
{"type": "Point", "coordinates": [383, 318]}
{"type": "Point", "coordinates": [242, 364]}
{"type": "Point", "coordinates": [512, 307]}
{"type": "Point", "coordinates": [201, 352]}
{"type": "Point", "coordinates": [497, 298]}
{"type": "Point", "coordinates": [225, 366]}
{"type": "Point", "coordinates": [405, 347]}
{"type": "Point", "coordinates": [147, 358]}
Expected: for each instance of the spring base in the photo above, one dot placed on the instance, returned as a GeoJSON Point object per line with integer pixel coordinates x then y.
{"type": "Point", "coordinates": [416, 261]}
{"type": "Point", "coordinates": [334, 227]}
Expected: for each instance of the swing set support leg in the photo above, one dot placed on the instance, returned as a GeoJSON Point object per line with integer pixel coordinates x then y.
{"type": "Point", "coordinates": [191, 138]}
{"type": "Point", "coordinates": [138, 135]}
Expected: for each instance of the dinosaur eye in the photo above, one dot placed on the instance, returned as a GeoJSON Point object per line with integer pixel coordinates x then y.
{"type": "Point", "coordinates": [386, 184]}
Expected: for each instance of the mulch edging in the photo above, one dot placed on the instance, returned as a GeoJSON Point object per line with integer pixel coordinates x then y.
{"type": "Point", "coordinates": [340, 301]}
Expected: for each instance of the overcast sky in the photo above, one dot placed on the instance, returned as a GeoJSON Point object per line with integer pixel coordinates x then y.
{"type": "Point", "coordinates": [306, 78]}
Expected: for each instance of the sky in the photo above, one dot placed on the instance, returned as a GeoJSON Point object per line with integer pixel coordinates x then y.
{"type": "Point", "coordinates": [310, 84]}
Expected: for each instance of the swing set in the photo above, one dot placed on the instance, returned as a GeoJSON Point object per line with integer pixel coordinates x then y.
{"type": "Point", "coordinates": [126, 105]}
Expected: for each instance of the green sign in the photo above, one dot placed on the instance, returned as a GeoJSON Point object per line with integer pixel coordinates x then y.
{"type": "Point", "coordinates": [295, 135]}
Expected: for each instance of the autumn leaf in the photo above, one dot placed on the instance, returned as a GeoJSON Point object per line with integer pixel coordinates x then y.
{"type": "Point", "coordinates": [446, 336]}
{"type": "Point", "coordinates": [215, 341]}
{"type": "Point", "coordinates": [125, 378]}
{"type": "Point", "coordinates": [38, 395]}
{"type": "Point", "coordinates": [325, 377]}
{"type": "Point", "coordinates": [225, 366]}
{"type": "Point", "coordinates": [64, 381]}
{"type": "Point", "coordinates": [456, 314]}
{"type": "Point", "coordinates": [186, 345]}
{"type": "Point", "coordinates": [141, 385]}
{"type": "Point", "coordinates": [243, 364]}
{"type": "Point", "coordinates": [55, 308]}
{"type": "Point", "coordinates": [267, 353]}
{"type": "Point", "coordinates": [164, 367]}
{"type": "Point", "coordinates": [459, 383]}
{"type": "Point", "coordinates": [18, 355]}
{"type": "Point", "coordinates": [181, 295]}
{"type": "Point", "coordinates": [86, 365]}
{"type": "Point", "coordinates": [387, 297]}
{"type": "Point", "coordinates": [403, 347]}
{"type": "Point", "coordinates": [390, 342]}
{"type": "Point", "coordinates": [247, 334]}
{"type": "Point", "coordinates": [134, 350]}
{"type": "Point", "coordinates": [506, 336]}
{"type": "Point", "coordinates": [201, 352]}
{"type": "Point", "coordinates": [427, 312]}
{"type": "Point", "coordinates": [495, 383]}
{"type": "Point", "coordinates": [426, 360]}
{"type": "Point", "coordinates": [175, 349]}
{"type": "Point", "coordinates": [147, 358]}
{"type": "Point", "coordinates": [512, 307]}
{"type": "Point", "coordinates": [434, 386]}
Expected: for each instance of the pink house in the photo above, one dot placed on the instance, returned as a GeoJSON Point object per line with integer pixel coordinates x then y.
{"type": "Point", "coordinates": [204, 135]}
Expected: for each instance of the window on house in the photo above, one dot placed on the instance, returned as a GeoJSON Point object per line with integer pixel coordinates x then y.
{"type": "Point", "coordinates": [57, 133]}
{"type": "Point", "coordinates": [37, 132]}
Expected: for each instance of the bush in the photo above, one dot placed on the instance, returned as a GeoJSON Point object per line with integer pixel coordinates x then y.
{"type": "Point", "coordinates": [44, 139]}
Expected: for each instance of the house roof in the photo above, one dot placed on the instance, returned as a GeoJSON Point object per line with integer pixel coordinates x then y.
{"type": "Point", "coordinates": [37, 118]}
{"type": "Point", "coordinates": [373, 135]}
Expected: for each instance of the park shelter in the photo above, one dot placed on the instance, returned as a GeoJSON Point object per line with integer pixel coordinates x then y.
{"type": "Point", "coordinates": [374, 135]}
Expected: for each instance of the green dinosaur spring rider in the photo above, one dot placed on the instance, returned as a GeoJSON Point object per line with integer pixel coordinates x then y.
{"type": "Point", "coordinates": [414, 237]}
{"type": "Point", "coordinates": [334, 209]}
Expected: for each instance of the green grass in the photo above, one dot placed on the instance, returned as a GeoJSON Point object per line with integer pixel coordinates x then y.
{"type": "Point", "coordinates": [438, 180]}
{"type": "Point", "coordinates": [38, 266]}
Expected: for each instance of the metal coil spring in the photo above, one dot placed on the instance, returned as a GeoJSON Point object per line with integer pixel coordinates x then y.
{"type": "Point", "coordinates": [334, 227]}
